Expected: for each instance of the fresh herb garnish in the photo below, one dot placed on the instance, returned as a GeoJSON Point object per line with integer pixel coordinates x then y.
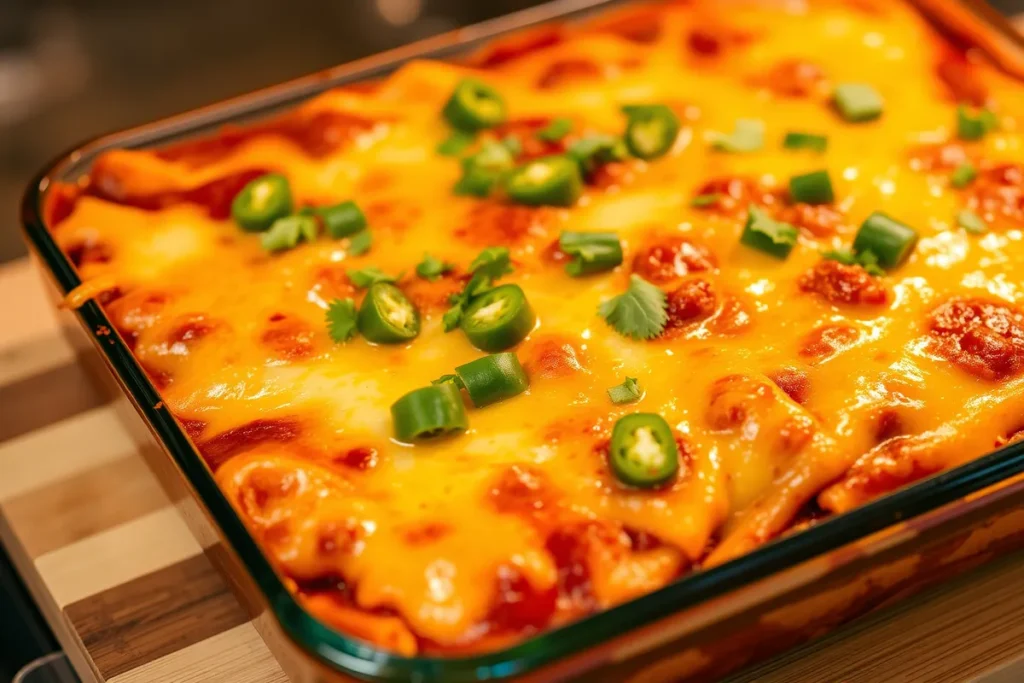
{"type": "Point", "coordinates": [592, 252]}
{"type": "Point", "coordinates": [287, 232]}
{"type": "Point", "coordinates": [431, 268]}
{"type": "Point", "coordinates": [865, 259]}
{"type": "Point", "coordinates": [360, 243]}
{"type": "Point", "coordinates": [596, 150]}
{"type": "Point", "coordinates": [482, 171]}
{"type": "Point", "coordinates": [341, 319]}
{"type": "Point", "coordinates": [555, 130]}
{"type": "Point", "coordinates": [796, 140]}
{"type": "Point", "coordinates": [970, 126]}
{"type": "Point", "coordinates": [761, 232]}
{"type": "Point", "coordinates": [963, 175]}
{"type": "Point", "coordinates": [627, 392]}
{"type": "Point", "coordinates": [489, 265]}
{"type": "Point", "coordinates": [363, 278]}
{"type": "Point", "coordinates": [455, 144]}
{"type": "Point", "coordinates": [637, 313]}
{"type": "Point", "coordinates": [703, 200]}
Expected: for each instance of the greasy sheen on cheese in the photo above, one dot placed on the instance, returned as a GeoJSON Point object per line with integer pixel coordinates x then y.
{"type": "Point", "coordinates": [797, 388]}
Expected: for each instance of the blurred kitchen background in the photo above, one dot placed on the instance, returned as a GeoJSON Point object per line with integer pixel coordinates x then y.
{"type": "Point", "coordinates": [72, 69]}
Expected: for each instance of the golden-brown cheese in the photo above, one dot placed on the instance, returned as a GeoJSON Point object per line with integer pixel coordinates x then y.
{"type": "Point", "coordinates": [437, 545]}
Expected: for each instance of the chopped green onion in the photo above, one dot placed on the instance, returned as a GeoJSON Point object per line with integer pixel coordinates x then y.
{"type": "Point", "coordinates": [455, 144]}
{"type": "Point", "coordinates": [365, 277]}
{"type": "Point", "coordinates": [795, 140]}
{"type": "Point", "coordinates": [811, 188]}
{"type": "Point", "coordinates": [651, 130]}
{"type": "Point", "coordinates": [772, 237]}
{"type": "Point", "coordinates": [971, 222]}
{"type": "Point", "coordinates": [492, 378]}
{"type": "Point", "coordinates": [341, 220]}
{"type": "Point", "coordinates": [474, 105]}
{"type": "Point", "coordinates": [596, 150]}
{"type": "Point", "coordinates": [703, 200]}
{"type": "Point", "coordinates": [261, 202]}
{"type": "Point", "coordinates": [637, 313]}
{"type": "Point", "coordinates": [556, 130]}
{"type": "Point", "coordinates": [360, 243]}
{"type": "Point", "coordinates": [627, 392]}
{"type": "Point", "coordinates": [341, 320]}
{"type": "Point", "coordinates": [429, 413]}
{"type": "Point", "coordinates": [431, 268]}
{"type": "Point", "coordinates": [974, 126]}
{"type": "Point", "coordinates": [592, 252]}
{"type": "Point", "coordinates": [643, 450]}
{"type": "Point", "coordinates": [888, 239]}
{"type": "Point", "coordinates": [287, 232]}
{"type": "Point", "coordinates": [498, 319]}
{"type": "Point", "coordinates": [482, 171]}
{"type": "Point", "coordinates": [857, 102]}
{"type": "Point", "coordinates": [963, 175]}
{"type": "Point", "coordinates": [386, 315]}
{"type": "Point", "coordinates": [552, 181]}
{"type": "Point", "coordinates": [747, 136]}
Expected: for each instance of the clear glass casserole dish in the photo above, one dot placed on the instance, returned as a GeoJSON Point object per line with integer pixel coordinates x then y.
{"type": "Point", "coordinates": [703, 624]}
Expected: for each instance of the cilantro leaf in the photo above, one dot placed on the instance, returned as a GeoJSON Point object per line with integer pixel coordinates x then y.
{"type": "Point", "coordinates": [627, 392]}
{"type": "Point", "coordinates": [431, 268]}
{"type": "Point", "coordinates": [492, 262]}
{"type": "Point", "coordinates": [367, 276]}
{"type": "Point", "coordinates": [639, 312]}
{"type": "Point", "coordinates": [360, 243]}
{"type": "Point", "coordinates": [489, 265]}
{"type": "Point", "coordinates": [341, 319]}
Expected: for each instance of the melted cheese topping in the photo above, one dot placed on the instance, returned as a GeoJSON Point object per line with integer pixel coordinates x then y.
{"type": "Point", "coordinates": [787, 384]}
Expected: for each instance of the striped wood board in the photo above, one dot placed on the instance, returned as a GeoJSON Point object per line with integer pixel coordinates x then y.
{"type": "Point", "coordinates": [133, 599]}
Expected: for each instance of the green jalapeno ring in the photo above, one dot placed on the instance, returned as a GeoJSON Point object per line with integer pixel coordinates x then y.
{"type": "Point", "coordinates": [651, 130]}
{"type": "Point", "coordinates": [643, 451]}
{"type": "Point", "coordinates": [551, 181]}
{"type": "Point", "coordinates": [261, 202]}
{"type": "Point", "coordinates": [492, 378]}
{"type": "Point", "coordinates": [386, 315]}
{"type": "Point", "coordinates": [474, 105]}
{"type": "Point", "coordinates": [498, 319]}
{"type": "Point", "coordinates": [429, 413]}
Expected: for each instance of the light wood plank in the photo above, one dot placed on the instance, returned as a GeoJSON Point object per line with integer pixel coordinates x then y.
{"type": "Point", "coordinates": [116, 556]}
{"type": "Point", "coordinates": [235, 656]}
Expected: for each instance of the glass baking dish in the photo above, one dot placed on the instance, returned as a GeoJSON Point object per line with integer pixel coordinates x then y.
{"type": "Point", "coordinates": [704, 625]}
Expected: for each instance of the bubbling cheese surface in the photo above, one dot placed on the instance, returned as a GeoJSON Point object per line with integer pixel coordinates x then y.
{"type": "Point", "coordinates": [794, 386]}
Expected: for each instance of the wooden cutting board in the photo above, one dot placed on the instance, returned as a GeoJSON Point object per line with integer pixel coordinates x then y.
{"type": "Point", "coordinates": [132, 598]}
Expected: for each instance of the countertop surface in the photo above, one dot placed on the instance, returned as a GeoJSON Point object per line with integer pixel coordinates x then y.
{"type": "Point", "coordinates": [132, 597]}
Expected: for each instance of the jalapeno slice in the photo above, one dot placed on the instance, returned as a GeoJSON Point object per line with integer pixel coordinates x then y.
{"type": "Point", "coordinates": [262, 202]}
{"type": "Point", "coordinates": [651, 130]}
{"type": "Point", "coordinates": [551, 181]}
{"type": "Point", "coordinates": [474, 105]}
{"type": "Point", "coordinates": [643, 450]}
{"type": "Point", "coordinates": [498, 319]}
{"type": "Point", "coordinates": [429, 413]}
{"type": "Point", "coordinates": [386, 315]}
{"type": "Point", "coordinates": [493, 378]}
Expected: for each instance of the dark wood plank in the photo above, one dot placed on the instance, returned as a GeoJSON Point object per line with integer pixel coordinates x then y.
{"type": "Point", "coordinates": [49, 397]}
{"type": "Point", "coordinates": [154, 615]}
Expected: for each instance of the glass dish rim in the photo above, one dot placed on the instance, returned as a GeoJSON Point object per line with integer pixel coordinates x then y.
{"type": "Point", "coordinates": [349, 655]}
